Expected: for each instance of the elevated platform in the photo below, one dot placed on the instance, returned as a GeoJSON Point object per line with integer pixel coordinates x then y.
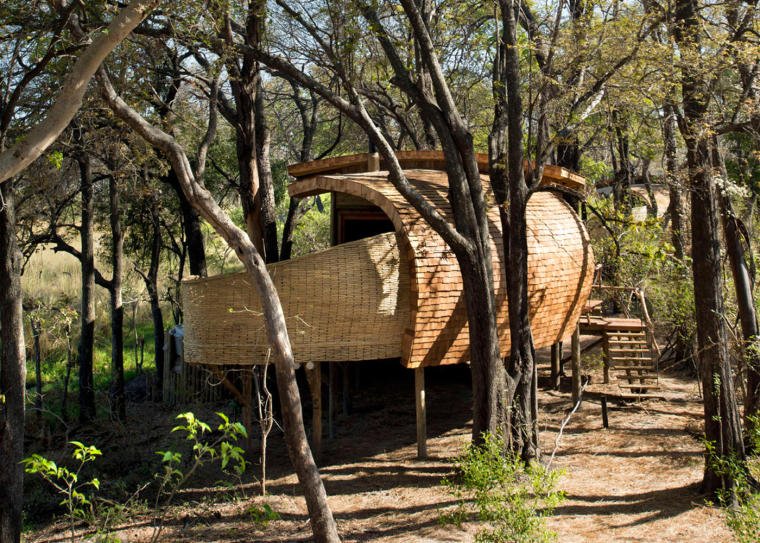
{"type": "Point", "coordinates": [596, 324]}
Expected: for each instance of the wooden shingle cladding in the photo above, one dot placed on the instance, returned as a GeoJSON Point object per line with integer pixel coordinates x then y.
{"type": "Point", "coordinates": [560, 264]}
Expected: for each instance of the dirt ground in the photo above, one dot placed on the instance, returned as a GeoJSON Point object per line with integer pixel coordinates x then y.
{"type": "Point", "coordinates": [636, 481]}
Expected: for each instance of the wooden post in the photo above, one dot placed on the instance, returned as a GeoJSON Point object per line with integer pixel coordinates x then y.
{"type": "Point", "coordinates": [373, 162]}
{"type": "Point", "coordinates": [314, 376]}
{"type": "Point", "coordinates": [332, 399]}
{"type": "Point", "coordinates": [247, 401]}
{"type": "Point", "coordinates": [606, 356]}
{"type": "Point", "coordinates": [167, 371]}
{"type": "Point", "coordinates": [419, 397]}
{"type": "Point", "coordinates": [576, 361]}
{"type": "Point", "coordinates": [346, 388]}
{"type": "Point", "coordinates": [556, 362]}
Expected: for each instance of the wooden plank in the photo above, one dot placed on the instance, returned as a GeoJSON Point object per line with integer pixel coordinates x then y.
{"type": "Point", "coordinates": [419, 402]}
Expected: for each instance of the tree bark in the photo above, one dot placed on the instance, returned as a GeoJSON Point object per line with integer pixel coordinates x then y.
{"type": "Point", "coordinates": [151, 284]}
{"type": "Point", "coordinates": [511, 192]}
{"type": "Point", "coordinates": [320, 514]}
{"type": "Point", "coordinates": [12, 375]}
{"type": "Point", "coordinates": [745, 300]}
{"type": "Point", "coordinates": [675, 207]}
{"type": "Point", "coordinates": [196, 252]}
{"type": "Point", "coordinates": [118, 404]}
{"type": "Point", "coordinates": [87, 317]}
{"type": "Point", "coordinates": [722, 422]}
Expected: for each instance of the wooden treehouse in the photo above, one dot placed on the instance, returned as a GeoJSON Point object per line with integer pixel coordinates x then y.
{"type": "Point", "coordinates": [389, 287]}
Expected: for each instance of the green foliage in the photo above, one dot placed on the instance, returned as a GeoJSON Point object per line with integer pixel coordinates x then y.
{"type": "Point", "coordinates": [174, 476]}
{"type": "Point", "coordinates": [66, 482]}
{"type": "Point", "coordinates": [262, 515]}
{"type": "Point", "coordinates": [742, 503]}
{"type": "Point", "coordinates": [514, 499]}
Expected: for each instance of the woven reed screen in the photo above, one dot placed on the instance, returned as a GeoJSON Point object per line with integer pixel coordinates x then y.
{"type": "Point", "coordinates": [349, 302]}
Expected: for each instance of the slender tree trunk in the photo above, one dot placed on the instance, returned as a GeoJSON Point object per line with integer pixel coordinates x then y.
{"type": "Point", "coordinates": [12, 374]}
{"type": "Point", "coordinates": [196, 252]}
{"type": "Point", "coordinates": [722, 421]}
{"type": "Point", "coordinates": [35, 324]}
{"type": "Point", "coordinates": [67, 376]}
{"type": "Point", "coordinates": [266, 188]}
{"type": "Point", "coordinates": [320, 514]}
{"type": "Point", "coordinates": [510, 189]}
{"type": "Point", "coordinates": [151, 283]}
{"type": "Point", "coordinates": [289, 228]}
{"type": "Point", "coordinates": [675, 207]}
{"type": "Point", "coordinates": [744, 298]}
{"type": "Point", "coordinates": [118, 404]}
{"type": "Point", "coordinates": [87, 336]}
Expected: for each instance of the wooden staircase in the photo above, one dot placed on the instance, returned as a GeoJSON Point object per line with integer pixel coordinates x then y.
{"type": "Point", "coordinates": [629, 349]}
{"type": "Point", "coordinates": [630, 359]}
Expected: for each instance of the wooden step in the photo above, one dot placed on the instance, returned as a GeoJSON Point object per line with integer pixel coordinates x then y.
{"type": "Point", "coordinates": [632, 396]}
{"type": "Point", "coordinates": [641, 385]}
{"type": "Point", "coordinates": [633, 368]}
{"type": "Point", "coordinates": [627, 350]}
{"type": "Point", "coordinates": [634, 378]}
{"type": "Point", "coordinates": [629, 359]}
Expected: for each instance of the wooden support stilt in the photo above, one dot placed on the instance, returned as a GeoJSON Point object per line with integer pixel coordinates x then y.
{"type": "Point", "coordinates": [247, 408]}
{"type": "Point", "coordinates": [314, 377]}
{"type": "Point", "coordinates": [576, 362]}
{"type": "Point", "coordinates": [332, 400]}
{"type": "Point", "coordinates": [346, 388]}
{"type": "Point", "coordinates": [556, 363]}
{"type": "Point", "coordinates": [419, 397]}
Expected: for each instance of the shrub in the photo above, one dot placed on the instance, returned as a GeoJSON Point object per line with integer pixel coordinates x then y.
{"type": "Point", "coordinates": [501, 490]}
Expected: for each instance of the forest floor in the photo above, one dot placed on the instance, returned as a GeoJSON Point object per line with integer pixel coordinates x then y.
{"type": "Point", "coordinates": [636, 481]}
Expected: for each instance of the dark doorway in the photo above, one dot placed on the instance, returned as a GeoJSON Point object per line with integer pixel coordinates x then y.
{"type": "Point", "coordinates": [360, 225]}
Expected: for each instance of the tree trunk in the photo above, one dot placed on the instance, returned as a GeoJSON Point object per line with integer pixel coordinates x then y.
{"type": "Point", "coordinates": [675, 207]}
{"type": "Point", "coordinates": [745, 300]}
{"type": "Point", "coordinates": [722, 422]}
{"type": "Point", "coordinates": [489, 410]}
{"type": "Point", "coordinates": [151, 283]}
{"type": "Point", "coordinates": [289, 229]}
{"type": "Point", "coordinates": [196, 252]}
{"type": "Point", "coordinates": [510, 189]}
{"type": "Point", "coordinates": [118, 405]}
{"type": "Point", "coordinates": [12, 375]}
{"type": "Point", "coordinates": [87, 336]}
{"type": "Point", "coordinates": [266, 188]}
{"type": "Point", "coordinates": [35, 324]}
{"type": "Point", "coordinates": [320, 514]}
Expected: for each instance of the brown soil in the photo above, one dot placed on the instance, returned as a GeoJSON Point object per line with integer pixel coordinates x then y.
{"type": "Point", "coordinates": [636, 481]}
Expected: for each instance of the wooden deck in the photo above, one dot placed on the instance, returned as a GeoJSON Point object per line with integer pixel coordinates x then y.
{"type": "Point", "coordinates": [597, 324]}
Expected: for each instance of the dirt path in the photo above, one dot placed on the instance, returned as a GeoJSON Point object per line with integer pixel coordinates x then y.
{"type": "Point", "coordinates": [636, 481]}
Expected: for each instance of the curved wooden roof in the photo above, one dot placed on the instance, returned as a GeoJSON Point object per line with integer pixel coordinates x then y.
{"type": "Point", "coordinates": [410, 160]}
{"type": "Point", "coordinates": [560, 264]}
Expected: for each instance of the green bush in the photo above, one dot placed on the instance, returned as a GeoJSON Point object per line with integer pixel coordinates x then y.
{"type": "Point", "coordinates": [500, 490]}
{"type": "Point", "coordinates": [742, 505]}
